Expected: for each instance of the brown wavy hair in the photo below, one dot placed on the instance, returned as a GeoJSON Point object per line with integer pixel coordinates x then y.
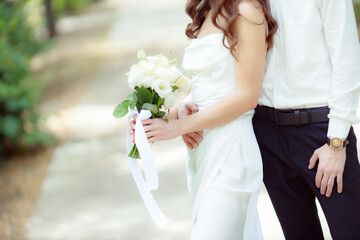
{"type": "Point", "coordinates": [228, 9]}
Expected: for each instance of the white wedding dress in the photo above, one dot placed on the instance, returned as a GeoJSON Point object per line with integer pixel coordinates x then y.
{"type": "Point", "coordinates": [225, 170]}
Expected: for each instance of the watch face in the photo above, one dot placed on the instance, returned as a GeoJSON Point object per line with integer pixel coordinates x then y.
{"type": "Point", "coordinates": [336, 142]}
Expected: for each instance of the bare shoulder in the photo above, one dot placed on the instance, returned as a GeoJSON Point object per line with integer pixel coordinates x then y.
{"type": "Point", "coordinates": [252, 11]}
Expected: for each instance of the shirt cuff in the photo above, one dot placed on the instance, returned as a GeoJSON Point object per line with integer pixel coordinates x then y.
{"type": "Point", "coordinates": [339, 129]}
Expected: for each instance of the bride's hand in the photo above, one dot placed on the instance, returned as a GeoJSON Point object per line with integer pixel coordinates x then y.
{"type": "Point", "coordinates": [158, 129]}
{"type": "Point", "coordinates": [192, 140]}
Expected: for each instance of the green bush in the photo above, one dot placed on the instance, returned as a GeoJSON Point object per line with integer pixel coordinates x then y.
{"type": "Point", "coordinates": [357, 10]}
{"type": "Point", "coordinates": [65, 7]}
{"type": "Point", "coordinates": [19, 92]}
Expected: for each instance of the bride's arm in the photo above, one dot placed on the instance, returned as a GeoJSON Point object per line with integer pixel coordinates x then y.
{"type": "Point", "coordinates": [249, 69]}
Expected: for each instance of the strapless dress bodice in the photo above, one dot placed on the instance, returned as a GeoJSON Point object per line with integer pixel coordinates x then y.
{"type": "Point", "coordinates": [214, 67]}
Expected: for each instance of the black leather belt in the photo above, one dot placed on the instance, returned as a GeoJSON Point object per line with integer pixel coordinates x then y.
{"type": "Point", "coordinates": [293, 116]}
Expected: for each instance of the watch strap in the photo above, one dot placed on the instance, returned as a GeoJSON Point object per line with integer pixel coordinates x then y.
{"type": "Point", "coordinates": [345, 142]}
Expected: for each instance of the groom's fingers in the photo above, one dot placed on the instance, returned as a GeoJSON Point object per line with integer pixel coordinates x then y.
{"type": "Point", "coordinates": [339, 179]}
{"type": "Point", "coordinates": [313, 159]}
{"type": "Point", "coordinates": [318, 178]}
{"type": "Point", "coordinates": [330, 186]}
{"type": "Point", "coordinates": [324, 183]}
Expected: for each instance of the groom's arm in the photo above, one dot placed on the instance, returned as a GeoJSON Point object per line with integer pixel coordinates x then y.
{"type": "Point", "coordinates": [343, 45]}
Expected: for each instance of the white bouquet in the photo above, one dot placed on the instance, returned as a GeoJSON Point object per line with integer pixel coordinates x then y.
{"type": "Point", "coordinates": [157, 83]}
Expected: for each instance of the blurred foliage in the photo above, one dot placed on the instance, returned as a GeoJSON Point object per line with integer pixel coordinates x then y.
{"type": "Point", "coordinates": [357, 10]}
{"type": "Point", "coordinates": [66, 7]}
{"type": "Point", "coordinates": [19, 91]}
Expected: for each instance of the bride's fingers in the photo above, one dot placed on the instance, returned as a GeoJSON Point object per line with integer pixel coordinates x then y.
{"type": "Point", "coordinates": [195, 136]}
{"type": "Point", "coordinates": [187, 143]}
{"type": "Point", "coordinates": [190, 141]}
{"type": "Point", "coordinates": [150, 134]}
{"type": "Point", "coordinates": [146, 122]}
{"type": "Point", "coordinates": [132, 124]}
{"type": "Point", "coordinates": [152, 139]}
{"type": "Point", "coordinates": [148, 128]}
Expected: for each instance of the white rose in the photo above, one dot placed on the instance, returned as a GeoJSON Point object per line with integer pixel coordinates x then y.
{"type": "Point", "coordinates": [168, 73]}
{"type": "Point", "coordinates": [175, 74]}
{"type": "Point", "coordinates": [146, 66]}
{"type": "Point", "coordinates": [159, 60]}
{"type": "Point", "coordinates": [170, 101]}
{"type": "Point", "coordinates": [162, 87]}
{"type": "Point", "coordinates": [183, 84]}
{"type": "Point", "coordinates": [141, 54]}
{"type": "Point", "coordinates": [147, 81]}
{"type": "Point", "coordinates": [134, 77]}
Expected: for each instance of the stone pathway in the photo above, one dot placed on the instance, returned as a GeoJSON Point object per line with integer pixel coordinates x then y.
{"type": "Point", "coordinates": [89, 193]}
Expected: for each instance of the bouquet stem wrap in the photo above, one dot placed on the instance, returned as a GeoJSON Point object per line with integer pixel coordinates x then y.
{"type": "Point", "coordinates": [150, 172]}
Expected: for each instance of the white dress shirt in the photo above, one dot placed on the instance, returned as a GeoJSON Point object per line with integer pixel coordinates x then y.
{"type": "Point", "coordinates": [315, 60]}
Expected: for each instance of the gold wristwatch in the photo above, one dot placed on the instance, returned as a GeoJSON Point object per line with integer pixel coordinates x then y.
{"type": "Point", "coordinates": [337, 143]}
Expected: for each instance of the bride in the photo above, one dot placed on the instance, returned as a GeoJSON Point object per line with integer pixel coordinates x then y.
{"type": "Point", "coordinates": [229, 39]}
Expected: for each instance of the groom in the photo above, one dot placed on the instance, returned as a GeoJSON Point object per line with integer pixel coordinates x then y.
{"type": "Point", "coordinates": [303, 120]}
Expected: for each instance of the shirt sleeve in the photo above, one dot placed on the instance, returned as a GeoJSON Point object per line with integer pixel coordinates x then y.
{"type": "Point", "coordinates": [343, 45]}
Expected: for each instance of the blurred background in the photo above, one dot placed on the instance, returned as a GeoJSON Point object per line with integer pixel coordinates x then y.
{"type": "Point", "coordinates": [63, 168]}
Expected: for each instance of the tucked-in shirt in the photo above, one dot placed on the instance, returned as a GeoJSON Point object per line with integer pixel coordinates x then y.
{"type": "Point", "coordinates": [315, 60]}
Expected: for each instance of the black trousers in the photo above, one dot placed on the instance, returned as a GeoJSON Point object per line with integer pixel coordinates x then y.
{"type": "Point", "coordinates": [286, 151]}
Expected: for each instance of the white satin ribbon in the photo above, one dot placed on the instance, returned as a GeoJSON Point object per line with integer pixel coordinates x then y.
{"type": "Point", "coordinates": [152, 179]}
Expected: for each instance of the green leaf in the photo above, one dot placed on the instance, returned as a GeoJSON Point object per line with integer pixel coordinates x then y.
{"type": "Point", "coordinates": [144, 95]}
{"type": "Point", "coordinates": [155, 99]}
{"type": "Point", "coordinates": [160, 114]}
{"type": "Point", "coordinates": [138, 106]}
{"type": "Point", "coordinates": [133, 103]}
{"type": "Point", "coordinates": [11, 126]}
{"type": "Point", "coordinates": [122, 109]}
{"type": "Point", "coordinates": [131, 95]}
{"type": "Point", "coordinates": [160, 102]}
{"type": "Point", "coordinates": [38, 138]}
{"type": "Point", "coordinates": [174, 88]}
{"type": "Point", "coordinates": [151, 107]}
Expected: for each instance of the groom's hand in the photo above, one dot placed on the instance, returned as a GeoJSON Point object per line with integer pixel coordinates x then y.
{"type": "Point", "coordinates": [331, 166]}
{"type": "Point", "coordinates": [191, 140]}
